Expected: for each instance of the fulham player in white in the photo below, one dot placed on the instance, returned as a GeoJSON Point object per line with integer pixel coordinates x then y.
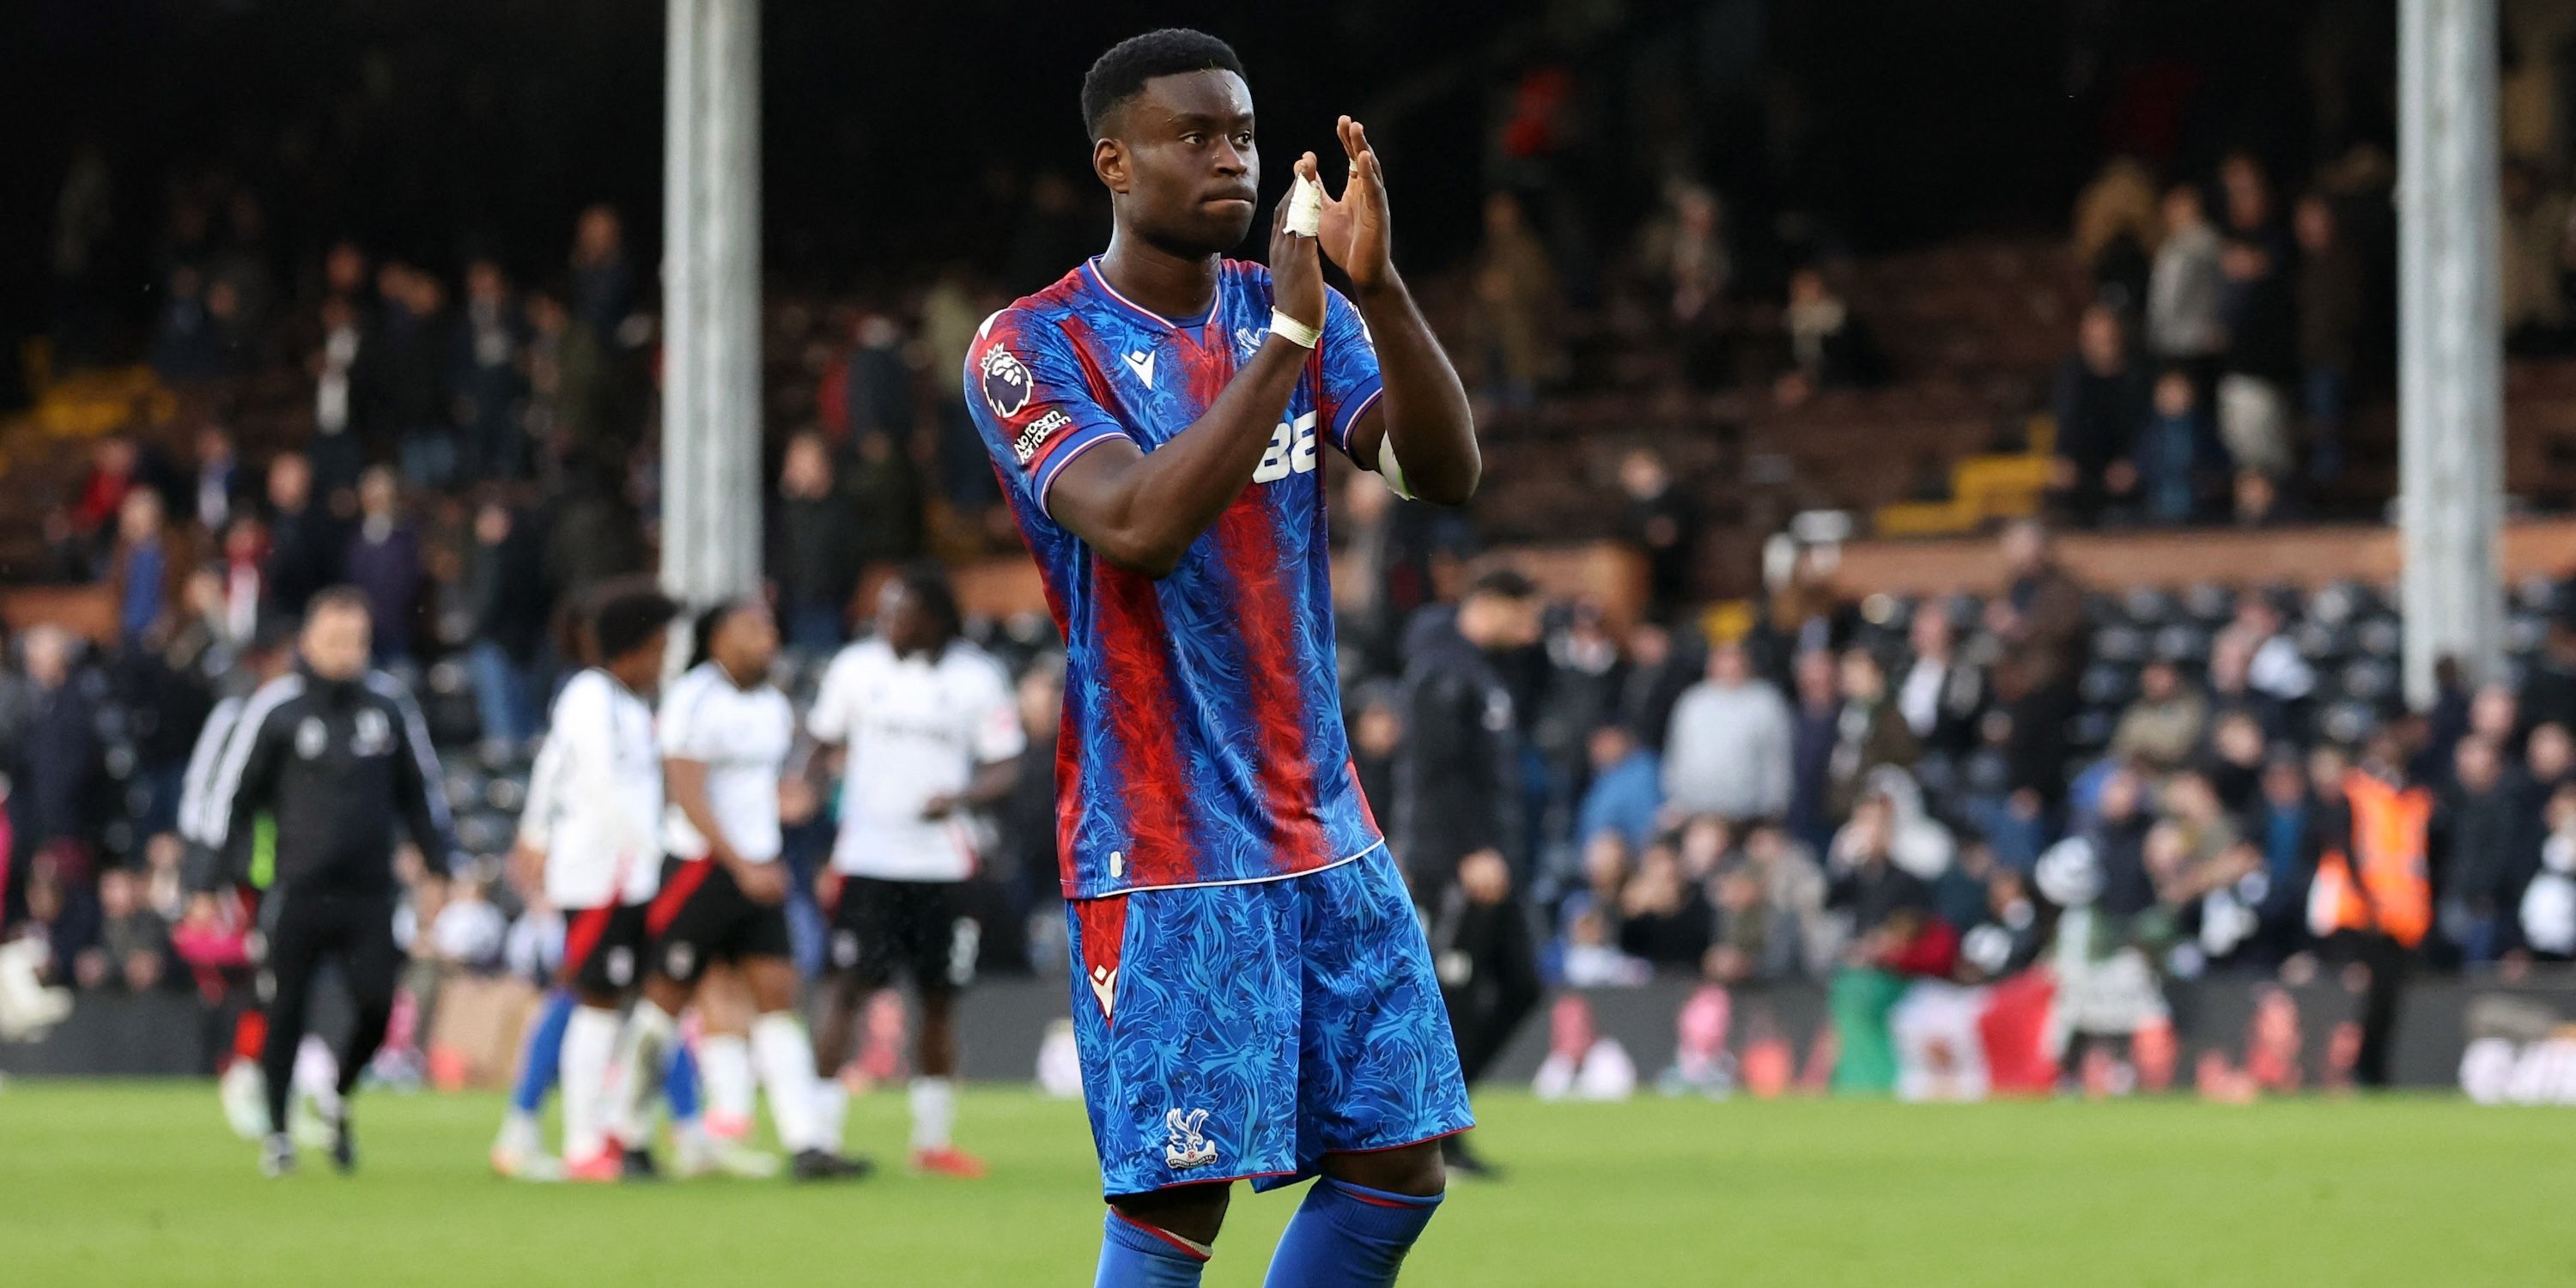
{"type": "Point", "coordinates": [932, 736]}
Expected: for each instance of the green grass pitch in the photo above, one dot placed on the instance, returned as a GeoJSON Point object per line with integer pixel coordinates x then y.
{"type": "Point", "coordinates": [139, 1184]}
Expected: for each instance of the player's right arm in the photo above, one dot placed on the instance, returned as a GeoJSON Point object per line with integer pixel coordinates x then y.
{"type": "Point", "coordinates": [1141, 510]}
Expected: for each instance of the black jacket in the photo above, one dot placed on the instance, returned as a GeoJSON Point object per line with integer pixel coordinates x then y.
{"type": "Point", "coordinates": [336, 763]}
{"type": "Point", "coordinates": [1457, 778]}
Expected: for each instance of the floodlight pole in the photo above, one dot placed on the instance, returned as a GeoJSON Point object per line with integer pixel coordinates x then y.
{"type": "Point", "coordinates": [711, 426]}
{"type": "Point", "coordinates": [2450, 380]}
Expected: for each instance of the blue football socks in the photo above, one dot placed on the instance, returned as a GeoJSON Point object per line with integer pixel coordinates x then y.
{"type": "Point", "coordinates": [1348, 1236]}
{"type": "Point", "coordinates": [544, 1059]}
{"type": "Point", "coordinates": [1134, 1255]}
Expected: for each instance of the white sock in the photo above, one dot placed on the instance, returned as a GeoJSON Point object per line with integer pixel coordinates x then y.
{"type": "Point", "coordinates": [786, 1059]}
{"type": "Point", "coordinates": [934, 1112]}
{"type": "Point", "coordinates": [519, 1132]}
{"type": "Point", "coordinates": [643, 1054]}
{"type": "Point", "coordinates": [831, 1111]}
{"type": "Point", "coordinates": [317, 1075]}
{"type": "Point", "coordinates": [724, 1064]}
{"type": "Point", "coordinates": [589, 1043]}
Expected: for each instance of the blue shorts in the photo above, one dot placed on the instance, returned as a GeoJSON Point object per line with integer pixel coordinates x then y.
{"type": "Point", "coordinates": [1243, 1032]}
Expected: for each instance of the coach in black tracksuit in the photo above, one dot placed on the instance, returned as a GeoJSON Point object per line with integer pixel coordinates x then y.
{"type": "Point", "coordinates": [1459, 829]}
{"type": "Point", "coordinates": [336, 754]}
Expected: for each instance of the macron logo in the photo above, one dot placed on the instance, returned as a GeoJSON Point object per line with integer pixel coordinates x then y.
{"type": "Point", "coordinates": [1142, 363]}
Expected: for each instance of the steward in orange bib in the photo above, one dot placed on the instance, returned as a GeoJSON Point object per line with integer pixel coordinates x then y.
{"type": "Point", "coordinates": [2372, 901]}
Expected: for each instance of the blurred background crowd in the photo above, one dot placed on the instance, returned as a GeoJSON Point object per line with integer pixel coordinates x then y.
{"type": "Point", "coordinates": [1710, 276]}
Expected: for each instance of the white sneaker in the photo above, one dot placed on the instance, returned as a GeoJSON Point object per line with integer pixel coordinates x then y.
{"type": "Point", "coordinates": [311, 1127]}
{"type": "Point", "coordinates": [511, 1162]}
{"type": "Point", "coordinates": [697, 1154]}
{"type": "Point", "coordinates": [244, 1092]}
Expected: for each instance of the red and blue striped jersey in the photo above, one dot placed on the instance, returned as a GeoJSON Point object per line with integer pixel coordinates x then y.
{"type": "Point", "coordinates": [1202, 741]}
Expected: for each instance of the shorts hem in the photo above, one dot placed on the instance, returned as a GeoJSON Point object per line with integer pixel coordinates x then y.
{"type": "Point", "coordinates": [1404, 1144]}
{"type": "Point", "coordinates": [1108, 1194]}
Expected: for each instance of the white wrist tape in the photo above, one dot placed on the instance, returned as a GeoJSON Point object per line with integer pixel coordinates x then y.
{"type": "Point", "coordinates": [1294, 331]}
{"type": "Point", "coordinates": [1305, 207]}
{"type": "Point", "coordinates": [1389, 469]}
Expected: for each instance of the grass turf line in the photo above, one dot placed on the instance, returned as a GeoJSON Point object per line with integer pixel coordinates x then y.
{"type": "Point", "coordinates": [139, 1183]}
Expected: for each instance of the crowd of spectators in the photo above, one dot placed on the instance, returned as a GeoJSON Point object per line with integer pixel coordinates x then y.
{"type": "Point", "coordinates": [2214, 376]}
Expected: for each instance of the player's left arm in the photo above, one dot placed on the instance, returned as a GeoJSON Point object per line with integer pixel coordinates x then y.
{"type": "Point", "coordinates": [1423, 415]}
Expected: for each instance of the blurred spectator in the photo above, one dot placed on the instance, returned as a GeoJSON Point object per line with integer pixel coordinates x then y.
{"type": "Point", "coordinates": [2115, 224]}
{"type": "Point", "coordinates": [1027, 815]}
{"type": "Point", "coordinates": [1662, 521]}
{"type": "Point", "coordinates": [2039, 619]}
{"type": "Point", "coordinates": [1686, 251]}
{"type": "Point", "coordinates": [603, 285]}
{"type": "Point", "coordinates": [1377, 737]}
{"type": "Point", "coordinates": [885, 493]}
{"type": "Point", "coordinates": [306, 542]}
{"type": "Point", "coordinates": [2547, 915]}
{"type": "Point", "coordinates": [242, 575]}
{"type": "Point", "coordinates": [2234, 765]}
{"type": "Point", "coordinates": [2100, 402]}
{"type": "Point", "coordinates": [487, 377]}
{"type": "Point", "coordinates": [57, 757]}
{"type": "Point", "coordinates": [2185, 291]}
{"type": "Point", "coordinates": [594, 533]}
{"type": "Point", "coordinates": [467, 931]}
{"type": "Point", "coordinates": [1516, 285]}
{"type": "Point", "coordinates": [2275, 670]}
{"type": "Point", "coordinates": [115, 467]}
{"type": "Point", "coordinates": [1660, 671]}
{"type": "Point", "coordinates": [2116, 837]}
{"type": "Point", "coordinates": [2484, 849]}
{"type": "Point", "coordinates": [950, 314]}
{"type": "Point", "coordinates": [1869, 731]}
{"type": "Point", "coordinates": [1626, 794]}
{"type": "Point", "coordinates": [878, 397]}
{"type": "Point", "coordinates": [2174, 451]}
{"type": "Point", "coordinates": [1829, 348]}
{"type": "Point", "coordinates": [133, 942]}
{"type": "Point", "coordinates": [337, 454]}
{"type": "Point", "coordinates": [815, 555]}
{"type": "Point", "coordinates": [147, 569]}
{"type": "Point", "coordinates": [384, 563]}
{"type": "Point", "coordinates": [1942, 693]}
{"type": "Point", "coordinates": [406, 363]}
{"type": "Point", "coordinates": [2331, 297]}
{"type": "Point", "coordinates": [2162, 727]}
{"type": "Point", "coordinates": [506, 586]}
{"type": "Point", "coordinates": [1663, 920]}
{"type": "Point", "coordinates": [1730, 745]}
{"type": "Point", "coordinates": [192, 342]}
{"type": "Point", "coordinates": [1814, 734]}
{"type": "Point", "coordinates": [218, 485]}
{"type": "Point", "coordinates": [2262, 342]}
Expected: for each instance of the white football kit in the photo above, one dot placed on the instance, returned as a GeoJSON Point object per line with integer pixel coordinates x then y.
{"type": "Point", "coordinates": [916, 728]}
{"type": "Point", "coordinates": [604, 842]}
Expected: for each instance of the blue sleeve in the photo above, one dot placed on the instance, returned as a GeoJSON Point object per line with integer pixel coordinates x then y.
{"type": "Point", "coordinates": [1349, 360]}
{"type": "Point", "coordinates": [1032, 400]}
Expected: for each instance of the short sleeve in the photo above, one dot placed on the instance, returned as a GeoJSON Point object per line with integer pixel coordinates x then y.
{"type": "Point", "coordinates": [1349, 357]}
{"type": "Point", "coordinates": [998, 736]}
{"type": "Point", "coordinates": [829, 721]}
{"type": "Point", "coordinates": [686, 731]}
{"type": "Point", "coordinates": [1028, 395]}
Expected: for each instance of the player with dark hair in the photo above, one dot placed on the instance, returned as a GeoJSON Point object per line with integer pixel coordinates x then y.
{"type": "Point", "coordinates": [604, 862]}
{"type": "Point", "coordinates": [726, 732]}
{"type": "Point", "coordinates": [932, 740]}
{"type": "Point", "coordinates": [335, 753]}
{"type": "Point", "coordinates": [1254, 998]}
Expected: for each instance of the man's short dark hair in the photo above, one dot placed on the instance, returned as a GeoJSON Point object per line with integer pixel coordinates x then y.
{"type": "Point", "coordinates": [1504, 583]}
{"type": "Point", "coordinates": [1123, 71]}
{"type": "Point", "coordinates": [626, 618]}
{"type": "Point", "coordinates": [348, 599]}
{"type": "Point", "coordinates": [928, 584]}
